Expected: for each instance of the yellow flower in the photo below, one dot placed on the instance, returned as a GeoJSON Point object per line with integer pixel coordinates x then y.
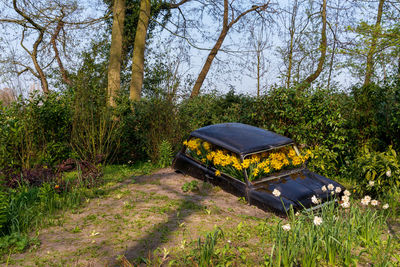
{"type": "Point", "coordinates": [217, 173]}
{"type": "Point", "coordinates": [198, 152]}
{"type": "Point", "coordinates": [292, 153]}
{"type": "Point", "coordinates": [203, 160]}
{"type": "Point", "coordinates": [296, 161]}
{"type": "Point", "coordinates": [255, 159]}
{"type": "Point", "coordinates": [237, 166]}
{"type": "Point", "coordinates": [209, 156]}
{"type": "Point", "coordinates": [206, 145]}
{"type": "Point", "coordinates": [246, 163]}
{"type": "Point", "coordinates": [193, 144]}
{"type": "Point", "coordinates": [267, 169]}
{"type": "Point", "coordinates": [255, 172]}
{"type": "Point", "coordinates": [185, 142]}
{"type": "Point", "coordinates": [276, 164]}
{"type": "Point", "coordinates": [285, 161]}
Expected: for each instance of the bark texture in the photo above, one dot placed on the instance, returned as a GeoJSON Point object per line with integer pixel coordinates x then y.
{"type": "Point", "coordinates": [138, 51]}
{"type": "Point", "coordinates": [370, 56]}
{"type": "Point", "coordinates": [114, 65]}
{"type": "Point", "coordinates": [34, 54]}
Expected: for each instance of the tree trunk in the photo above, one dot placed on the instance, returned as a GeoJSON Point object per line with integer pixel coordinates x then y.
{"type": "Point", "coordinates": [207, 65]}
{"type": "Point", "coordinates": [138, 50]}
{"type": "Point", "coordinates": [64, 73]}
{"type": "Point", "coordinates": [33, 54]}
{"type": "Point", "coordinates": [370, 56]}
{"type": "Point", "coordinates": [114, 65]}
{"type": "Point", "coordinates": [322, 48]}
{"type": "Point", "coordinates": [292, 31]}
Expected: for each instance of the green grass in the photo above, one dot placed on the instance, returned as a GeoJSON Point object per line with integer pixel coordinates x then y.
{"type": "Point", "coordinates": [28, 208]}
{"type": "Point", "coordinates": [346, 237]}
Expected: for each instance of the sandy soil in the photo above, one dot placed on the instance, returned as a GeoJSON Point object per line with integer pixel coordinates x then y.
{"type": "Point", "coordinates": [137, 218]}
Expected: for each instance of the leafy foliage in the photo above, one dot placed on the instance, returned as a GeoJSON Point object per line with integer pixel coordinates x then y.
{"type": "Point", "coordinates": [377, 172]}
{"type": "Point", "coordinates": [165, 154]}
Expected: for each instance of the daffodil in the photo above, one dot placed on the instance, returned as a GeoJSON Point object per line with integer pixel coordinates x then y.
{"type": "Point", "coordinates": [276, 192]}
{"type": "Point", "coordinates": [286, 227]}
{"type": "Point", "coordinates": [317, 220]}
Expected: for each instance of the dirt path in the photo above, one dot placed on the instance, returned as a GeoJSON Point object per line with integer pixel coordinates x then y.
{"type": "Point", "coordinates": [135, 220]}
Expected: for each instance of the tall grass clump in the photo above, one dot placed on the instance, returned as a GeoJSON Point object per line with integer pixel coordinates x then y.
{"type": "Point", "coordinates": [335, 235]}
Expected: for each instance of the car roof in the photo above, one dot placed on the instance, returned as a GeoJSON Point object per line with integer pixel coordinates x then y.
{"type": "Point", "coordinates": [241, 138]}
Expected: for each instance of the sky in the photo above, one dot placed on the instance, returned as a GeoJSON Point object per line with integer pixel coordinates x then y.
{"type": "Point", "coordinates": [229, 69]}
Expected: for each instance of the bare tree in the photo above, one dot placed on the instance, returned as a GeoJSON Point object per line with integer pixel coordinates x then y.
{"type": "Point", "coordinates": [323, 45]}
{"type": "Point", "coordinates": [43, 27]}
{"type": "Point", "coordinates": [226, 26]}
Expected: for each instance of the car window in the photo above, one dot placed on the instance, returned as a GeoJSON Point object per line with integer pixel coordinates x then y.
{"type": "Point", "coordinates": [274, 161]}
{"type": "Point", "coordinates": [257, 166]}
{"type": "Point", "coordinates": [214, 156]}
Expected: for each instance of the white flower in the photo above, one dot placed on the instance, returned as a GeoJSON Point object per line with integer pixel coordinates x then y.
{"type": "Point", "coordinates": [347, 193]}
{"type": "Point", "coordinates": [276, 192]}
{"type": "Point", "coordinates": [332, 193]}
{"type": "Point", "coordinates": [345, 205]}
{"type": "Point", "coordinates": [286, 227]}
{"type": "Point", "coordinates": [374, 202]}
{"type": "Point", "coordinates": [330, 186]}
{"type": "Point", "coordinates": [315, 200]}
{"type": "Point", "coordinates": [298, 213]}
{"type": "Point", "coordinates": [345, 198]}
{"type": "Point", "coordinates": [338, 190]}
{"type": "Point", "coordinates": [365, 201]}
{"type": "Point", "coordinates": [386, 206]}
{"type": "Point", "coordinates": [323, 188]}
{"type": "Point", "coordinates": [317, 220]}
{"type": "Point", "coordinates": [371, 183]}
{"type": "Point", "coordinates": [389, 173]}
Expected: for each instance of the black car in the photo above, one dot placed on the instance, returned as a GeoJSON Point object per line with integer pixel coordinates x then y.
{"type": "Point", "coordinates": [264, 167]}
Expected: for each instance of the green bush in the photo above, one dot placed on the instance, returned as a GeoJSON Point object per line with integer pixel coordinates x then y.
{"type": "Point", "coordinates": [165, 154]}
{"type": "Point", "coordinates": [377, 172]}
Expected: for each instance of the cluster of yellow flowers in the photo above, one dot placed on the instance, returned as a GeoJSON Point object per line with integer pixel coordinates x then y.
{"type": "Point", "coordinates": [278, 160]}
{"type": "Point", "coordinates": [258, 165]}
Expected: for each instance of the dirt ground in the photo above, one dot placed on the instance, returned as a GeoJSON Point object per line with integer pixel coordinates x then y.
{"type": "Point", "coordinates": [139, 216]}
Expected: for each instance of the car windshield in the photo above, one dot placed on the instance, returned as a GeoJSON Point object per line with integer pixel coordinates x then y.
{"type": "Point", "coordinates": [258, 165]}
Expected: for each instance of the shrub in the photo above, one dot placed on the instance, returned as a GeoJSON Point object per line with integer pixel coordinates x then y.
{"type": "Point", "coordinates": [377, 172]}
{"type": "Point", "coordinates": [165, 154]}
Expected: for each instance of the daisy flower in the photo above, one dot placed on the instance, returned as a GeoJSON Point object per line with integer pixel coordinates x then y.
{"type": "Point", "coordinates": [374, 202]}
{"type": "Point", "coordinates": [345, 205]}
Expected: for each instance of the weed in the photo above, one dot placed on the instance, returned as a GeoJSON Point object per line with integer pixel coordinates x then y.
{"type": "Point", "coordinates": [192, 186]}
{"type": "Point", "coordinates": [165, 154]}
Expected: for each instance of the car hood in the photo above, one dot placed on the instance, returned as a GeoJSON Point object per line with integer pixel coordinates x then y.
{"type": "Point", "coordinates": [297, 188]}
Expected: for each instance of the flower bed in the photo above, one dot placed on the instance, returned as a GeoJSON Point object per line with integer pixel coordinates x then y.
{"type": "Point", "coordinates": [257, 166]}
